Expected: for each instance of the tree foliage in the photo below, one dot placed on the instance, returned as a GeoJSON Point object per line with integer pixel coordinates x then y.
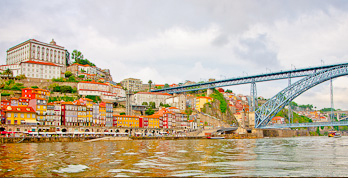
{"type": "Point", "coordinates": [94, 98]}
{"type": "Point", "coordinates": [149, 111]}
{"type": "Point", "coordinates": [77, 56]}
{"type": "Point", "coordinates": [223, 104]}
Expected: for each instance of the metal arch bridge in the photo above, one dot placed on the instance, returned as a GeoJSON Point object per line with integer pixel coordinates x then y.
{"type": "Point", "coordinates": [249, 79]}
{"type": "Point", "coordinates": [264, 114]}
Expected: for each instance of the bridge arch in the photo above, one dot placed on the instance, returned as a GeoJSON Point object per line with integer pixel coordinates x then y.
{"type": "Point", "coordinates": [266, 112]}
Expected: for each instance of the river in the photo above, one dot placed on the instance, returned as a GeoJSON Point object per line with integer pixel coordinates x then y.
{"type": "Point", "coordinates": [267, 157]}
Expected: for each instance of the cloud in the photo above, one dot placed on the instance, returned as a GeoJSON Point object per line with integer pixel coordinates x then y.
{"type": "Point", "coordinates": [174, 41]}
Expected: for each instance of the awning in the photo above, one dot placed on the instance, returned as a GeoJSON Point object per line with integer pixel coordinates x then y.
{"type": "Point", "coordinates": [30, 121]}
{"type": "Point", "coordinates": [5, 132]}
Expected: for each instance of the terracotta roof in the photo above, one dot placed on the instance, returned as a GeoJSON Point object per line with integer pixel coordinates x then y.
{"type": "Point", "coordinates": [153, 93]}
{"type": "Point", "coordinates": [24, 98]}
{"type": "Point", "coordinates": [19, 109]}
{"type": "Point", "coordinates": [277, 118]}
{"type": "Point", "coordinates": [200, 97]}
{"type": "Point", "coordinates": [67, 103]}
{"type": "Point", "coordinates": [42, 63]}
{"type": "Point", "coordinates": [126, 116]}
{"type": "Point", "coordinates": [88, 82]}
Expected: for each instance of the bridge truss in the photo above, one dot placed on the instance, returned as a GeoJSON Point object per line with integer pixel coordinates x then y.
{"type": "Point", "coordinates": [266, 112]}
{"type": "Point", "coordinates": [288, 74]}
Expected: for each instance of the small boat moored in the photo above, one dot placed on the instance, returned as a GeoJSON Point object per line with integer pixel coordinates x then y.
{"type": "Point", "coordinates": [334, 134]}
{"type": "Point", "coordinates": [337, 135]}
{"type": "Point", "coordinates": [215, 137]}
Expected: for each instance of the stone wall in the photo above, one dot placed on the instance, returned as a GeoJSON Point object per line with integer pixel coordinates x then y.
{"type": "Point", "coordinates": [42, 139]}
{"type": "Point", "coordinates": [44, 83]}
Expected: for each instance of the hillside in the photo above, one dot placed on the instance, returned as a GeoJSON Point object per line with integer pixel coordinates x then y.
{"type": "Point", "coordinates": [219, 109]}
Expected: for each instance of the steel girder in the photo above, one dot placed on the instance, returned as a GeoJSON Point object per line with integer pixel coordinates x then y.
{"type": "Point", "coordinates": [295, 125]}
{"type": "Point", "coordinates": [266, 112]}
{"type": "Point", "coordinates": [249, 79]}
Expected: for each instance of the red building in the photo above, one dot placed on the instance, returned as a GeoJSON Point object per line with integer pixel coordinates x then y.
{"type": "Point", "coordinates": [143, 122]}
{"type": "Point", "coordinates": [69, 114]}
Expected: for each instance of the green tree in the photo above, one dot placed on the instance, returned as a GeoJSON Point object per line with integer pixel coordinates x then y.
{"type": "Point", "coordinates": [150, 82]}
{"type": "Point", "coordinates": [8, 72]}
{"type": "Point", "coordinates": [95, 98]}
{"type": "Point", "coordinates": [228, 91]}
{"type": "Point", "coordinates": [72, 79]}
{"type": "Point", "coordinates": [152, 104]}
{"type": "Point", "coordinates": [66, 89]}
{"type": "Point", "coordinates": [77, 56]}
{"type": "Point", "coordinates": [20, 77]}
{"type": "Point", "coordinates": [149, 111]}
{"type": "Point", "coordinates": [166, 85]}
{"type": "Point", "coordinates": [68, 74]}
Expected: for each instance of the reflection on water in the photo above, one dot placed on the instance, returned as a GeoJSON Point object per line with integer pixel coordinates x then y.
{"type": "Point", "coordinates": [273, 157]}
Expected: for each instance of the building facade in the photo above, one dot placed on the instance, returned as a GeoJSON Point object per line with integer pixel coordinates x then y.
{"type": "Point", "coordinates": [141, 97]}
{"type": "Point", "coordinates": [132, 84]}
{"type": "Point", "coordinates": [36, 59]}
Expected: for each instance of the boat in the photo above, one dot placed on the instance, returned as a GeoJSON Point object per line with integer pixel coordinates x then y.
{"type": "Point", "coordinates": [334, 134]}
{"type": "Point", "coordinates": [215, 137]}
{"type": "Point", "coordinates": [337, 135]}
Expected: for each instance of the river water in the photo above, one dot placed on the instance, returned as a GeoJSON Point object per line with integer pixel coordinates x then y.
{"type": "Point", "coordinates": [267, 157]}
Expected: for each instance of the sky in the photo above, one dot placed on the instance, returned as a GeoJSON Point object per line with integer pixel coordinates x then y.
{"type": "Point", "coordinates": [174, 41]}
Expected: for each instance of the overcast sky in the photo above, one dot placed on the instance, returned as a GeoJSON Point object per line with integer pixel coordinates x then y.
{"type": "Point", "coordinates": [173, 41]}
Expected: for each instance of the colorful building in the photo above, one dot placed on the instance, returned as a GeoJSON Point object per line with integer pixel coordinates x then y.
{"type": "Point", "coordinates": [200, 101]}
{"type": "Point", "coordinates": [40, 106]}
{"type": "Point", "coordinates": [102, 114]}
{"type": "Point", "coordinates": [19, 115]}
{"type": "Point", "coordinates": [69, 114]}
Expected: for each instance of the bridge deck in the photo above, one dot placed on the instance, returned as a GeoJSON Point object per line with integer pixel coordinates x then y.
{"type": "Point", "coordinates": [295, 125]}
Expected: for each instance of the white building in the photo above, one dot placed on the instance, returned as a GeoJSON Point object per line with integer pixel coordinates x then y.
{"type": "Point", "coordinates": [178, 101]}
{"type": "Point", "coordinates": [33, 69]}
{"type": "Point", "coordinates": [104, 90]}
{"type": "Point", "coordinates": [36, 59]}
{"type": "Point", "coordinates": [148, 97]}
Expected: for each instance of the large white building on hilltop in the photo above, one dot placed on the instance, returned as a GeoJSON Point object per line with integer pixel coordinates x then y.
{"type": "Point", "coordinates": [36, 59]}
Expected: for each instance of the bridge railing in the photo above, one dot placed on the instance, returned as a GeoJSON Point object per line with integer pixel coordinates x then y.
{"type": "Point", "coordinates": [314, 124]}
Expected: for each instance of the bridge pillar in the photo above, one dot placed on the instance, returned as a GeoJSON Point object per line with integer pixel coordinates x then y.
{"type": "Point", "coordinates": [331, 101]}
{"type": "Point", "coordinates": [254, 96]}
{"type": "Point", "coordinates": [209, 91]}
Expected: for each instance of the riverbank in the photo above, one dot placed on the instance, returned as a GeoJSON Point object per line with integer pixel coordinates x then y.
{"type": "Point", "coordinates": [43, 139]}
{"type": "Point", "coordinates": [258, 133]}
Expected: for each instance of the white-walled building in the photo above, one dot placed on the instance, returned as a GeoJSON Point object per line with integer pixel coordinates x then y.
{"type": "Point", "coordinates": [33, 69]}
{"type": "Point", "coordinates": [158, 98]}
{"type": "Point", "coordinates": [178, 101]}
{"type": "Point", "coordinates": [105, 91]}
{"type": "Point", "coordinates": [37, 59]}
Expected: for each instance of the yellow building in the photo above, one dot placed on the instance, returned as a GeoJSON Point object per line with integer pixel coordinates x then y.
{"type": "Point", "coordinates": [200, 101]}
{"type": "Point", "coordinates": [127, 121]}
{"type": "Point", "coordinates": [19, 115]}
{"type": "Point", "coordinates": [41, 93]}
{"type": "Point", "coordinates": [153, 121]}
{"type": "Point", "coordinates": [40, 107]}
{"type": "Point", "coordinates": [89, 107]}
